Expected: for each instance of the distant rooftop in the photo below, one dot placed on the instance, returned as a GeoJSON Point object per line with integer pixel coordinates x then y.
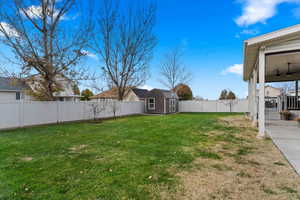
{"type": "Point", "coordinates": [12, 84]}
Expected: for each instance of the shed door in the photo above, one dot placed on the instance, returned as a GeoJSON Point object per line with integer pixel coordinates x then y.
{"type": "Point", "coordinates": [172, 105]}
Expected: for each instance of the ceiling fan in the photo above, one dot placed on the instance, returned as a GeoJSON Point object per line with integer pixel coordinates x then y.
{"type": "Point", "coordinates": [288, 73]}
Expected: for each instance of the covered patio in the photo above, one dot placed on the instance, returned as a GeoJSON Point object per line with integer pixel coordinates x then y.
{"type": "Point", "coordinates": [273, 57]}
{"type": "Point", "coordinates": [269, 58]}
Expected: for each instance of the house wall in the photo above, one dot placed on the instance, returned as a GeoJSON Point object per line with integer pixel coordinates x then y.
{"type": "Point", "coordinates": [7, 96]}
{"type": "Point", "coordinates": [67, 86]}
{"type": "Point", "coordinates": [28, 113]}
{"type": "Point", "coordinates": [11, 96]}
{"type": "Point", "coordinates": [272, 92]}
{"type": "Point", "coordinates": [131, 97]}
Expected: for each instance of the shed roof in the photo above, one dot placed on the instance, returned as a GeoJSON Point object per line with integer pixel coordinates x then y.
{"type": "Point", "coordinates": [108, 94]}
{"type": "Point", "coordinates": [12, 84]}
{"type": "Point", "coordinates": [167, 93]}
{"type": "Point", "coordinates": [140, 93]}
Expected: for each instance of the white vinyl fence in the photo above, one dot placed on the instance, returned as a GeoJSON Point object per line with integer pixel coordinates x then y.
{"type": "Point", "coordinates": [20, 114]}
{"type": "Point", "coordinates": [240, 105]}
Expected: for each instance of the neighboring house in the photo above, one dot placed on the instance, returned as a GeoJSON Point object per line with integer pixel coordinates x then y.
{"type": "Point", "coordinates": [17, 89]}
{"type": "Point", "coordinates": [161, 102]}
{"type": "Point", "coordinates": [131, 94]}
{"type": "Point", "coordinates": [12, 89]}
{"type": "Point", "coordinates": [67, 93]}
{"type": "Point", "coordinates": [293, 93]}
{"type": "Point", "coordinates": [272, 92]}
{"type": "Point", "coordinates": [271, 96]}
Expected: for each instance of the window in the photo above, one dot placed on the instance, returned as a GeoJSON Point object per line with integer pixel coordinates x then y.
{"type": "Point", "coordinates": [18, 95]}
{"type": "Point", "coordinates": [151, 103]}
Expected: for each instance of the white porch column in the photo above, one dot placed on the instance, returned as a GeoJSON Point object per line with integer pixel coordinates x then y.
{"type": "Point", "coordinates": [255, 103]}
{"type": "Point", "coordinates": [261, 117]}
{"type": "Point", "coordinates": [250, 105]}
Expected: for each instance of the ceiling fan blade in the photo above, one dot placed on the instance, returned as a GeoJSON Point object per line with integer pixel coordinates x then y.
{"type": "Point", "coordinates": [278, 72]}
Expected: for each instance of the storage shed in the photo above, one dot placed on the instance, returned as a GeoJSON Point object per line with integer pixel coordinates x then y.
{"type": "Point", "coordinates": [161, 102]}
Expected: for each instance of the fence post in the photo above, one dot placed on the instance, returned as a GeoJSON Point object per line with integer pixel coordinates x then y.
{"type": "Point", "coordinates": [21, 113]}
{"type": "Point", "coordinates": [57, 111]}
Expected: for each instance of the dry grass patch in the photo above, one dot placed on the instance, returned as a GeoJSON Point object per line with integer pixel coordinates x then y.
{"type": "Point", "coordinates": [245, 168]}
{"type": "Point", "coordinates": [26, 159]}
{"type": "Point", "coordinates": [78, 148]}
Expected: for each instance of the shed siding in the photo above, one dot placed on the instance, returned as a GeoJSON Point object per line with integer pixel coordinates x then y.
{"type": "Point", "coordinates": [159, 102]}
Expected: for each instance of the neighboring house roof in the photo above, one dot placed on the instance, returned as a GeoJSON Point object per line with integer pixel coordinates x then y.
{"type": "Point", "coordinates": [140, 93]}
{"type": "Point", "coordinates": [113, 93]}
{"type": "Point", "coordinates": [12, 84]}
{"type": "Point", "coordinates": [108, 94]}
{"type": "Point", "coordinates": [167, 93]}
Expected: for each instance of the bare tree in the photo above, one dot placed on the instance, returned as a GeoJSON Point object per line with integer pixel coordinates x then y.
{"type": "Point", "coordinates": [97, 108]}
{"type": "Point", "coordinates": [125, 42]}
{"type": "Point", "coordinates": [172, 70]}
{"type": "Point", "coordinates": [230, 103]}
{"type": "Point", "coordinates": [114, 105]}
{"type": "Point", "coordinates": [45, 39]}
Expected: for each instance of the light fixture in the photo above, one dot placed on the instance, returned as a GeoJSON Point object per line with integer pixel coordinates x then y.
{"type": "Point", "coordinates": [289, 73]}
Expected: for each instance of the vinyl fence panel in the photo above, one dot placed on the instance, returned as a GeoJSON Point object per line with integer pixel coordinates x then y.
{"type": "Point", "coordinates": [240, 105]}
{"type": "Point", "coordinates": [19, 114]}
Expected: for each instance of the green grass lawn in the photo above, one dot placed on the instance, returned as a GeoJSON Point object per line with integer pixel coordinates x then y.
{"type": "Point", "coordinates": [127, 158]}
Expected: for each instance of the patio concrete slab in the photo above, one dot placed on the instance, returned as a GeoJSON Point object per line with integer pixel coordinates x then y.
{"type": "Point", "coordinates": [286, 136]}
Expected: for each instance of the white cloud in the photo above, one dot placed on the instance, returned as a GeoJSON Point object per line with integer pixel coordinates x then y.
{"type": "Point", "coordinates": [90, 54]}
{"type": "Point", "coordinates": [33, 11]}
{"type": "Point", "coordinates": [255, 11]}
{"type": "Point", "coordinates": [147, 87]}
{"type": "Point", "coordinates": [234, 69]}
{"type": "Point", "coordinates": [36, 12]}
{"type": "Point", "coordinates": [249, 32]}
{"type": "Point", "coordinates": [7, 28]}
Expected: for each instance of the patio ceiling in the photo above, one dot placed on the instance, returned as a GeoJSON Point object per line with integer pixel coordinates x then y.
{"type": "Point", "coordinates": [278, 67]}
{"type": "Point", "coordinates": [274, 61]}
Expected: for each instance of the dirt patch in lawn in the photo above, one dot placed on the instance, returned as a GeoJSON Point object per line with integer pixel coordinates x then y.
{"type": "Point", "coordinates": [26, 159]}
{"type": "Point", "coordinates": [248, 169]}
{"type": "Point", "coordinates": [78, 148]}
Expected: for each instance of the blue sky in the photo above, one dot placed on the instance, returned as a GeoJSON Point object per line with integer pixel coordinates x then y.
{"type": "Point", "coordinates": [212, 33]}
